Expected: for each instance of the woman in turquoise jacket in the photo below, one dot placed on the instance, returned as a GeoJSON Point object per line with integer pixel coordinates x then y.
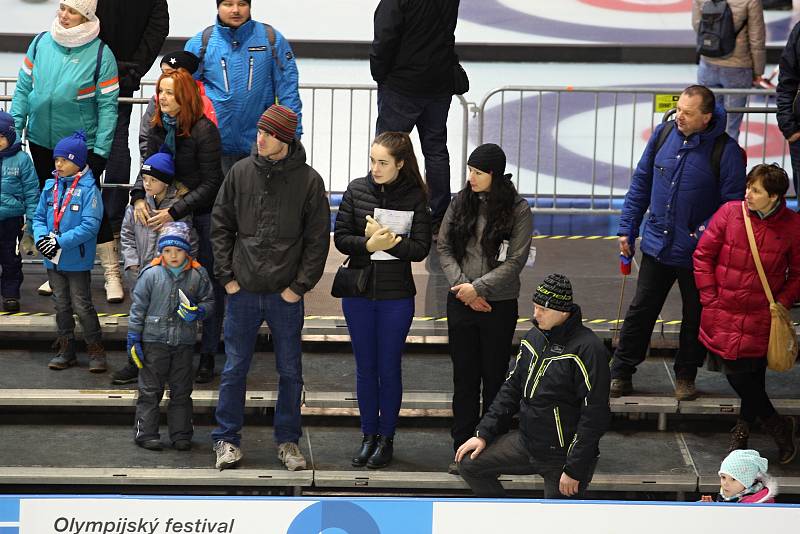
{"type": "Point", "coordinates": [68, 82]}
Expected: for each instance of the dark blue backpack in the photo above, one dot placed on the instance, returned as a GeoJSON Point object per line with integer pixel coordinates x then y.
{"type": "Point", "coordinates": [716, 36]}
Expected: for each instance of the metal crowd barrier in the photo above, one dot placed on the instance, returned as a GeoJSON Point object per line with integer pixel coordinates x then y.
{"type": "Point", "coordinates": [572, 149]}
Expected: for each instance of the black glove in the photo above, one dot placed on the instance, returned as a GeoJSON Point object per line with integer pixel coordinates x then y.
{"type": "Point", "coordinates": [48, 246]}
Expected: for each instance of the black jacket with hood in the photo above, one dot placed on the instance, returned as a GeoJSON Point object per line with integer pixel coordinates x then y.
{"type": "Point", "coordinates": [135, 31]}
{"type": "Point", "coordinates": [198, 166]}
{"type": "Point", "coordinates": [391, 279]}
{"type": "Point", "coordinates": [270, 226]}
{"type": "Point", "coordinates": [559, 385]}
{"type": "Point", "coordinates": [413, 50]}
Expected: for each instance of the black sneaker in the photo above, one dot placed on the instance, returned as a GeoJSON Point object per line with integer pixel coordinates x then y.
{"type": "Point", "coordinates": [150, 444]}
{"type": "Point", "coordinates": [127, 375]}
{"type": "Point", "coordinates": [11, 305]}
{"type": "Point", "coordinates": [182, 445]}
{"type": "Point", "coordinates": [205, 369]}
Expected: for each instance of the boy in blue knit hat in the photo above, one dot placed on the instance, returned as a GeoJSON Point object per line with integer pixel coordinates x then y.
{"type": "Point", "coordinates": [65, 228]}
{"type": "Point", "coordinates": [172, 294]}
{"type": "Point", "coordinates": [19, 194]}
{"type": "Point", "coordinates": [139, 241]}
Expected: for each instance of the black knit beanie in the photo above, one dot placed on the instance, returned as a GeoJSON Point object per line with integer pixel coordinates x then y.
{"type": "Point", "coordinates": [181, 59]}
{"type": "Point", "coordinates": [554, 293]}
{"type": "Point", "coordinates": [489, 158]}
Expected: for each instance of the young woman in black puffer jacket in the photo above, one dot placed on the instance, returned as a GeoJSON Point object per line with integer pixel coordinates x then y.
{"type": "Point", "coordinates": [379, 319]}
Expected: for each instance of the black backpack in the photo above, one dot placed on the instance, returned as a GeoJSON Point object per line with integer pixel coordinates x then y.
{"type": "Point", "coordinates": [716, 36]}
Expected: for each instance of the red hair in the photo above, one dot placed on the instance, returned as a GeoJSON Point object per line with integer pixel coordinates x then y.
{"type": "Point", "coordinates": [188, 97]}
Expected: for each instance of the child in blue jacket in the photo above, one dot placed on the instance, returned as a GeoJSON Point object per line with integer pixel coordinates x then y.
{"type": "Point", "coordinates": [65, 228]}
{"type": "Point", "coordinates": [19, 193]}
{"type": "Point", "coordinates": [171, 295]}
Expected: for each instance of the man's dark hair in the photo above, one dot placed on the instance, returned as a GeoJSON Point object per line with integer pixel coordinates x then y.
{"type": "Point", "coordinates": [708, 101]}
{"type": "Point", "coordinates": [773, 179]}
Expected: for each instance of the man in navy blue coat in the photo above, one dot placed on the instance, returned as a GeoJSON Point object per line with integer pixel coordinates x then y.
{"type": "Point", "coordinates": [697, 168]}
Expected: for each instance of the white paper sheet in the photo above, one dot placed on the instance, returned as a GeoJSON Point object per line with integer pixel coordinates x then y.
{"type": "Point", "coordinates": [398, 222]}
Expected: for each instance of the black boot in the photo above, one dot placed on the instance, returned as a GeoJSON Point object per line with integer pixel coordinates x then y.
{"type": "Point", "coordinates": [205, 370]}
{"type": "Point", "coordinates": [782, 431]}
{"type": "Point", "coordinates": [739, 436]}
{"type": "Point", "coordinates": [367, 448]}
{"type": "Point", "coordinates": [383, 453]}
{"type": "Point", "coordinates": [126, 375]}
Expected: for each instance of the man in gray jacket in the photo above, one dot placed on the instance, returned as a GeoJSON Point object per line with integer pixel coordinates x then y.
{"type": "Point", "coordinates": [270, 231]}
{"type": "Point", "coordinates": [741, 68]}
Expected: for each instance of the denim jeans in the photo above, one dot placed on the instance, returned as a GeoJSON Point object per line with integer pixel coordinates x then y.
{"type": "Point", "coordinates": [212, 324]}
{"type": "Point", "coordinates": [729, 78]}
{"type": "Point", "coordinates": [10, 260]}
{"type": "Point", "coordinates": [400, 113]}
{"type": "Point", "coordinates": [378, 330]}
{"type": "Point", "coordinates": [509, 456]}
{"type": "Point", "coordinates": [654, 284]}
{"type": "Point", "coordinates": [244, 315]}
{"type": "Point", "coordinates": [72, 292]}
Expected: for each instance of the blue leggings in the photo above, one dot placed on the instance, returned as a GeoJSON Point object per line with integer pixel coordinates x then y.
{"type": "Point", "coordinates": [378, 330]}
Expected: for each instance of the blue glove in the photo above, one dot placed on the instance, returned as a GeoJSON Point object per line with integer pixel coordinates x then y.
{"type": "Point", "coordinates": [191, 312]}
{"type": "Point", "coordinates": [135, 348]}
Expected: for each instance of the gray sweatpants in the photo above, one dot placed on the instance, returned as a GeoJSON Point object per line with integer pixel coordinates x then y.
{"type": "Point", "coordinates": [165, 364]}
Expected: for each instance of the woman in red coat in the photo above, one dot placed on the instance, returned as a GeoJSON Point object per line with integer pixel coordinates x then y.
{"type": "Point", "coordinates": [735, 322]}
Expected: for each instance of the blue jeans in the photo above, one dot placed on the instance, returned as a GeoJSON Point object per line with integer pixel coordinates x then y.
{"type": "Point", "coordinates": [400, 113]}
{"type": "Point", "coordinates": [378, 330]}
{"type": "Point", "coordinates": [729, 78]}
{"type": "Point", "coordinates": [212, 324]}
{"type": "Point", "coordinates": [244, 314]}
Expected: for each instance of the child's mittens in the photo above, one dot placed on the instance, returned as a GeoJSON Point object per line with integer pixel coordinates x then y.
{"type": "Point", "coordinates": [135, 348]}
{"type": "Point", "coordinates": [48, 246]}
{"type": "Point", "coordinates": [26, 245]}
{"type": "Point", "coordinates": [191, 312]}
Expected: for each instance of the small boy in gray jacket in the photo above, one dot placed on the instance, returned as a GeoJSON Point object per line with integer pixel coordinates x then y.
{"type": "Point", "coordinates": [137, 240]}
{"type": "Point", "coordinates": [172, 294]}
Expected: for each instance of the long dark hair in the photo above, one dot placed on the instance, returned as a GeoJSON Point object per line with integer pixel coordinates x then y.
{"type": "Point", "coordinates": [500, 200]}
{"type": "Point", "coordinates": [400, 148]}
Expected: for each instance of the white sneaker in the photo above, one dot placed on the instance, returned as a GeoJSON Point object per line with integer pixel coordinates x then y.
{"type": "Point", "coordinates": [45, 290]}
{"type": "Point", "coordinates": [289, 454]}
{"type": "Point", "coordinates": [228, 455]}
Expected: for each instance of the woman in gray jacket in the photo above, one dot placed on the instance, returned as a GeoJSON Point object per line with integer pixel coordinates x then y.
{"type": "Point", "coordinates": [484, 242]}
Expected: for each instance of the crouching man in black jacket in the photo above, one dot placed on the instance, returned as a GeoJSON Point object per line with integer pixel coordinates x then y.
{"type": "Point", "coordinates": [559, 385]}
{"type": "Point", "coordinates": [270, 231]}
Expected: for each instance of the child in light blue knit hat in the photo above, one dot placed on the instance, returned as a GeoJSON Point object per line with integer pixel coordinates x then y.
{"type": "Point", "coordinates": [743, 478]}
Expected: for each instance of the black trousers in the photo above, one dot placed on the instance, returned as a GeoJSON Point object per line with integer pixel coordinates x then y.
{"type": "Point", "coordinates": [509, 456]}
{"type": "Point", "coordinates": [43, 163]}
{"type": "Point", "coordinates": [752, 389]}
{"type": "Point", "coordinates": [480, 348]}
{"type": "Point", "coordinates": [118, 169]}
{"type": "Point", "coordinates": [655, 282]}
{"type": "Point", "coordinates": [165, 364]}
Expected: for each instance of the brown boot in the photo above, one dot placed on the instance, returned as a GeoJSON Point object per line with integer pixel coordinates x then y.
{"type": "Point", "coordinates": [97, 358]}
{"type": "Point", "coordinates": [739, 436]}
{"type": "Point", "coordinates": [782, 431]}
{"type": "Point", "coordinates": [685, 389]}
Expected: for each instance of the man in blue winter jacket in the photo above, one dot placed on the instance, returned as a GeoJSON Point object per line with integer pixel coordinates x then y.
{"type": "Point", "coordinates": [246, 67]}
{"type": "Point", "coordinates": [684, 175]}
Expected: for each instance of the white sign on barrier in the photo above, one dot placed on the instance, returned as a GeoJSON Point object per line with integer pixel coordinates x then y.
{"type": "Point", "coordinates": [150, 516]}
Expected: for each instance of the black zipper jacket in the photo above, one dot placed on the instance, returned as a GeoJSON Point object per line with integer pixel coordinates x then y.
{"type": "Point", "coordinates": [559, 385]}
{"type": "Point", "coordinates": [413, 50]}
{"type": "Point", "coordinates": [390, 279]}
{"type": "Point", "coordinates": [271, 224]}
{"type": "Point", "coordinates": [135, 31]}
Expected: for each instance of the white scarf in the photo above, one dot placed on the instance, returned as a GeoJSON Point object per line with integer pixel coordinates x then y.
{"type": "Point", "coordinates": [77, 35]}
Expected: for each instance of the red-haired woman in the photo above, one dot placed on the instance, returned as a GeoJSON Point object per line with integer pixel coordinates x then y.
{"type": "Point", "coordinates": [194, 141]}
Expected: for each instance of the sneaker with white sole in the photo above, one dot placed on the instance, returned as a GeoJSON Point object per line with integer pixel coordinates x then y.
{"type": "Point", "coordinates": [228, 455]}
{"type": "Point", "coordinates": [44, 289]}
{"type": "Point", "coordinates": [289, 454]}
